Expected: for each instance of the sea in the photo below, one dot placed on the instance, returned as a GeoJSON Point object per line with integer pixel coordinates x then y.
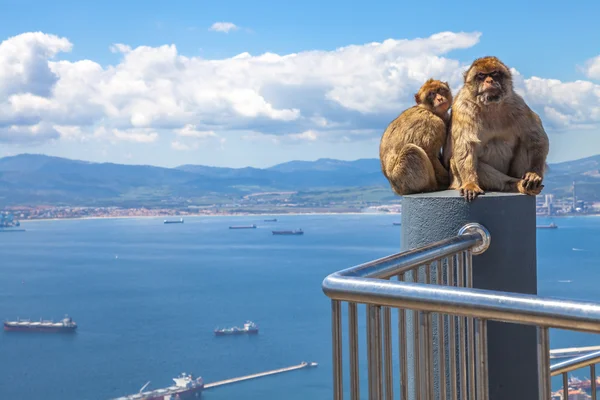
{"type": "Point", "coordinates": [147, 296]}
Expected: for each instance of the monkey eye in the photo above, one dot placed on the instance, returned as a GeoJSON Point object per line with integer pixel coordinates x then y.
{"type": "Point", "coordinates": [480, 76]}
{"type": "Point", "coordinates": [495, 75]}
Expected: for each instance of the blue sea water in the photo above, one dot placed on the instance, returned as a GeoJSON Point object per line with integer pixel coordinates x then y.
{"type": "Point", "coordinates": [147, 297]}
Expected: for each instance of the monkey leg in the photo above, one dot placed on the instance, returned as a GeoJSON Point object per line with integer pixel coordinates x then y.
{"type": "Point", "coordinates": [489, 178]}
{"type": "Point", "coordinates": [531, 175]}
{"type": "Point", "coordinates": [442, 176]}
{"type": "Point", "coordinates": [412, 172]}
{"type": "Point", "coordinates": [492, 179]}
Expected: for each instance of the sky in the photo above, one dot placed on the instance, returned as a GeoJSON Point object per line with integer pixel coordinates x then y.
{"type": "Point", "coordinates": [257, 83]}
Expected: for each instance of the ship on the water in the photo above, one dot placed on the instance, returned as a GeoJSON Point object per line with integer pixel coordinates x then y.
{"type": "Point", "coordinates": [271, 220]}
{"type": "Point", "coordinates": [289, 232]}
{"type": "Point", "coordinates": [551, 226]}
{"type": "Point", "coordinates": [397, 223]}
{"type": "Point", "coordinates": [9, 224]}
{"type": "Point", "coordinates": [186, 387]}
{"type": "Point", "coordinates": [66, 325]}
{"type": "Point", "coordinates": [174, 221]}
{"type": "Point", "coordinates": [243, 227]}
{"type": "Point", "coordinates": [248, 328]}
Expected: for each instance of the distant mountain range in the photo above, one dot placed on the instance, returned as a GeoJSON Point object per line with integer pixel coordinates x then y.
{"type": "Point", "coordinates": [30, 179]}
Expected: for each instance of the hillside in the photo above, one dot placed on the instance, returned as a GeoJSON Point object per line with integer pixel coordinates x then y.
{"type": "Point", "coordinates": [29, 179]}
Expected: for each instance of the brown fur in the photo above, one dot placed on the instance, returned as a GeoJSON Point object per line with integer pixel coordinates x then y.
{"type": "Point", "coordinates": [495, 142]}
{"type": "Point", "coordinates": [410, 146]}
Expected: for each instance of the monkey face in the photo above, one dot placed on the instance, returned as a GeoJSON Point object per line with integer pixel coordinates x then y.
{"type": "Point", "coordinates": [435, 95]}
{"type": "Point", "coordinates": [489, 86]}
{"type": "Point", "coordinates": [489, 80]}
{"type": "Point", "coordinates": [439, 102]}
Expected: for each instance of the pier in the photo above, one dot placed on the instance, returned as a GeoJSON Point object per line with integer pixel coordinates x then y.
{"type": "Point", "coordinates": [572, 351]}
{"type": "Point", "coordinates": [259, 375]}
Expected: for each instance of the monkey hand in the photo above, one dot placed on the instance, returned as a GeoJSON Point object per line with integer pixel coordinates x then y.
{"type": "Point", "coordinates": [470, 191]}
{"type": "Point", "coordinates": [531, 181]}
{"type": "Point", "coordinates": [531, 184]}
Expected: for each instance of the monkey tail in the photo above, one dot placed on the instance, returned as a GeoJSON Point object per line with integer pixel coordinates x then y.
{"type": "Point", "coordinates": [413, 171]}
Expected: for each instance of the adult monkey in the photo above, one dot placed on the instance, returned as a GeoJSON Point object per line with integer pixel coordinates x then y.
{"type": "Point", "coordinates": [495, 142]}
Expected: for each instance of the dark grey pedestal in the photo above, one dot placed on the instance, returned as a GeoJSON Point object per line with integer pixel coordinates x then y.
{"type": "Point", "coordinates": [509, 264]}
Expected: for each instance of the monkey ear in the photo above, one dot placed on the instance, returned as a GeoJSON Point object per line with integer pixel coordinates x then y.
{"type": "Point", "coordinates": [446, 83]}
{"type": "Point", "coordinates": [417, 98]}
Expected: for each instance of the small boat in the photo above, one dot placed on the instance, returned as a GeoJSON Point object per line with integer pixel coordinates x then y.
{"type": "Point", "coordinates": [175, 221]}
{"type": "Point", "coordinates": [292, 232]}
{"type": "Point", "coordinates": [243, 227]}
{"type": "Point", "coordinates": [551, 226]}
{"type": "Point", "coordinates": [397, 223]}
{"type": "Point", "coordinates": [249, 328]}
{"type": "Point", "coordinates": [271, 220]}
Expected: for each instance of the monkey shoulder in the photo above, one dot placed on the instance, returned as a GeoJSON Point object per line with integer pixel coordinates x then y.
{"type": "Point", "coordinates": [417, 126]}
{"type": "Point", "coordinates": [426, 130]}
{"type": "Point", "coordinates": [525, 120]}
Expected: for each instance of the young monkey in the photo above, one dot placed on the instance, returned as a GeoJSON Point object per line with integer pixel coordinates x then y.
{"type": "Point", "coordinates": [410, 146]}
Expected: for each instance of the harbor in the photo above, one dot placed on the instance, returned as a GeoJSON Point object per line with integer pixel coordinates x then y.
{"type": "Point", "coordinates": [188, 387]}
{"type": "Point", "coordinates": [230, 381]}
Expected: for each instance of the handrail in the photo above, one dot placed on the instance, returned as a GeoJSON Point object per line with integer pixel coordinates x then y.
{"type": "Point", "coordinates": [575, 363]}
{"type": "Point", "coordinates": [587, 360]}
{"type": "Point", "coordinates": [451, 295]}
{"type": "Point", "coordinates": [465, 302]}
{"type": "Point", "coordinates": [398, 263]}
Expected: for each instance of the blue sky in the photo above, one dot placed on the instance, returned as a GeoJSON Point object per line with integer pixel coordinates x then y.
{"type": "Point", "coordinates": [195, 103]}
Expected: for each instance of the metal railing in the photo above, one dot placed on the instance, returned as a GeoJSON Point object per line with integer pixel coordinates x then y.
{"type": "Point", "coordinates": [434, 290]}
{"type": "Point", "coordinates": [564, 367]}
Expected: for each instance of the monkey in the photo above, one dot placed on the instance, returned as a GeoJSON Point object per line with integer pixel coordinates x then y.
{"type": "Point", "coordinates": [495, 141]}
{"type": "Point", "coordinates": [410, 147]}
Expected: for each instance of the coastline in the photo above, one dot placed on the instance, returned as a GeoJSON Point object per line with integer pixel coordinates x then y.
{"type": "Point", "coordinates": [207, 216]}
{"type": "Point", "coordinates": [254, 214]}
{"type": "Point", "coordinates": [261, 215]}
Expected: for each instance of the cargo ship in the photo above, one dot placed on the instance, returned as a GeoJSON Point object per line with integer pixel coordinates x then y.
{"type": "Point", "coordinates": [249, 328]}
{"type": "Point", "coordinates": [551, 226]}
{"type": "Point", "coordinates": [271, 220]}
{"type": "Point", "coordinates": [293, 232]}
{"type": "Point", "coordinates": [397, 223]}
{"type": "Point", "coordinates": [174, 221]}
{"type": "Point", "coordinates": [186, 387]}
{"type": "Point", "coordinates": [243, 227]}
{"type": "Point", "coordinates": [66, 325]}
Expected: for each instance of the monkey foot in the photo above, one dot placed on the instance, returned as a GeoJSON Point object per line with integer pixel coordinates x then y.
{"type": "Point", "coordinates": [470, 191]}
{"type": "Point", "coordinates": [531, 182]}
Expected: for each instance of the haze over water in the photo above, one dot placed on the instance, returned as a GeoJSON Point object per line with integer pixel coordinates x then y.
{"type": "Point", "coordinates": [147, 296]}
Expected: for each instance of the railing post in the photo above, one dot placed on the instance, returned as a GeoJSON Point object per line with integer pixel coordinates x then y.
{"type": "Point", "coordinates": [509, 264]}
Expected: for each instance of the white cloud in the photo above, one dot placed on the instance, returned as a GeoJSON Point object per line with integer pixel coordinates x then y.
{"type": "Point", "coordinates": [223, 27]}
{"type": "Point", "coordinates": [24, 66]}
{"type": "Point", "coordinates": [190, 131]}
{"type": "Point", "coordinates": [120, 48]}
{"type": "Point", "coordinates": [347, 94]}
{"type": "Point", "coordinates": [177, 145]}
{"type": "Point", "coordinates": [306, 136]}
{"type": "Point", "coordinates": [31, 134]}
{"type": "Point", "coordinates": [592, 68]}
